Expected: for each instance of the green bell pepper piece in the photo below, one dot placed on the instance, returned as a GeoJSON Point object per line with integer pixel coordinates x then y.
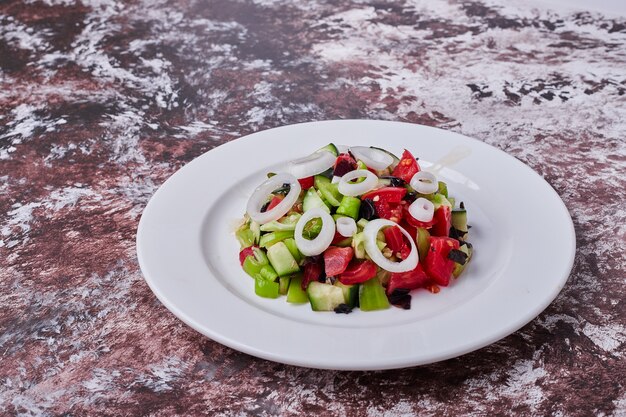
{"type": "Point", "coordinates": [245, 236]}
{"type": "Point", "coordinates": [269, 239]}
{"type": "Point", "coordinates": [283, 224]}
{"type": "Point", "coordinates": [265, 288]}
{"type": "Point", "coordinates": [372, 296]}
{"type": "Point", "coordinates": [283, 285]}
{"type": "Point", "coordinates": [295, 294]}
{"type": "Point", "coordinates": [258, 266]}
{"type": "Point", "coordinates": [330, 192]}
{"type": "Point", "coordinates": [293, 248]}
{"type": "Point", "coordinates": [349, 206]}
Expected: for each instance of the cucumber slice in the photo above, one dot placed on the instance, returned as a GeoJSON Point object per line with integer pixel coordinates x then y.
{"type": "Point", "coordinates": [283, 285]}
{"type": "Point", "coordinates": [324, 297]}
{"type": "Point", "coordinates": [285, 223]}
{"type": "Point", "coordinates": [458, 268]}
{"type": "Point", "coordinates": [313, 200]}
{"type": "Point", "coordinates": [350, 293]}
{"type": "Point", "coordinates": [459, 220]}
{"type": "Point", "coordinates": [330, 192]}
{"type": "Point", "coordinates": [295, 294]}
{"type": "Point", "coordinates": [293, 248]}
{"type": "Point", "coordinates": [423, 242]}
{"type": "Point", "coordinates": [330, 148]}
{"type": "Point", "coordinates": [282, 260]}
{"type": "Point", "coordinates": [372, 296]}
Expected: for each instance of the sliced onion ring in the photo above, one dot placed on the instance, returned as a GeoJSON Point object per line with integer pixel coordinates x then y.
{"type": "Point", "coordinates": [424, 182]}
{"type": "Point", "coordinates": [323, 240]}
{"type": "Point", "coordinates": [422, 210]}
{"type": "Point", "coordinates": [313, 164]}
{"type": "Point", "coordinates": [352, 190]}
{"type": "Point", "coordinates": [346, 226]}
{"type": "Point", "coordinates": [373, 158]}
{"type": "Point", "coordinates": [260, 194]}
{"type": "Point", "coordinates": [371, 231]}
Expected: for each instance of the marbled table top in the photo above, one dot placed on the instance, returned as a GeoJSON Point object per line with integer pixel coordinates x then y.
{"type": "Point", "coordinates": [101, 101]}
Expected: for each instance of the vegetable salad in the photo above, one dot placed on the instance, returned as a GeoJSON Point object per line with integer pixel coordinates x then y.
{"type": "Point", "coordinates": [353, 228]}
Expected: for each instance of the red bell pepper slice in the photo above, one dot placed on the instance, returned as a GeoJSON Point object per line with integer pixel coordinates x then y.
{"type": "Point", "coordinates": [306, 183]}
{"type": "Point", "coordinates": [386, 194]}
{"type": "Point", "coordinates": [443, 221]}
{"type": "Point", "coordinates": [438, 267]}
{"type": "Point", "coordinates": [409, 280]}
{"type": "Point", "coordinates": [358, 272]}
{"type": "Point", "coordinates": [407, 167]}
{"type": "Point", "coordinates": [274, 202]}
{"type": "Point", "coordinates": [336, 260]}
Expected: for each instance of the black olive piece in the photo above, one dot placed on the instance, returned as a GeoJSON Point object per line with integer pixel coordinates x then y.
{"type": "Point", "coordinates": [456, 233]}
{"type": "Point", "coordinates": [411, 196]}
{"type": "Point", "coordinates": [457, 256]}
{"type": "Point", "coordinates": [264, 207]}
{"type": "Point", "coordinates": [367, 210]}
{"type": "Point", "coordinates": [400, 297]}
{"type": "Point", "coordinates": [394, 181]}
{"type": "Point", "coordinates": [343, 309]}
{"type": "Point", "coordinates": [284, 189]}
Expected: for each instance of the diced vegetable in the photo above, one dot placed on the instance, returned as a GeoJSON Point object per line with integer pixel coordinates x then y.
{"type": "Point", "coordinates": [372, 296]}
{"type": "Point", "coordinates": [287, 222]}
{"type": "Point", "coordinates": [443, 221]}
{"type": "Point", "coordinates": [349, 206]}
{"type": "Point", "coordinates": [245, 236]}
{"type": "Point", "coordinates": [410, 280]}
{"type": "Point", "coordinates": [283, 285]}
{"type": "Point", "coordinates": [324, 297]}
{"type": "Point", "coordinates": [266, 288]}
{"type": "Point", "coordinates": [336, 260]}
{"type": "Point", "coordinates": [358, 272]}
{"type": "Point", "coordinates": [258, 266]}
{"type": "Point", "coordinates": [270, 239]}
{"type": "Point", "coordinates": [282, 260]}
{"type": "Point", "coordinates": [295, 293]}
{"type": "Point", "coordinates": [350, 293]}
{"type": "Point", "coordinates": [407, 167]}
{"type": "Point", "coordinates": [313, 200]}
{"type": "Point", "coordinates": [293, 249]}
{"type": "Point", "coordinates": [438, 266]}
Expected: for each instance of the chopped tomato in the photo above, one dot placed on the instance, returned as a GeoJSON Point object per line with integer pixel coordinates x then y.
{"type": "Point", "coordinates": [443, 221]}
{"type": "Point", "coordinates": [389, 211]}
{"type": "Point", "coordinates": [386, 194]}
{"type": "Point", "coordinates": [414, 222]}
{"type": "Point", "coordinates": [336, 260]}
{"type": "Point", "coordinates": [397, 242]}
{"type": "Point", "coordinates": [407, 167]}
{"type": "Point", "coordinates": [245, 253]}
{"type": "Point", "coordinates": [438, 267]}
{"type": "Point", "coordinates": [409, 280]}
{"type": "Point", "coordinates": [307, 182]}
{"type": "Point", "coordinates": [312, 272]}
{"type": "Point", "coordinates": [344, 164]}
{"type": "Point", "coordinates": [338, 238]}
{"type": "Point", "coordinates": [358, 272]}
{"type": "Point", "coordinates": [412, 230]}
{"type": "Point", "coordinates": [274, 202]}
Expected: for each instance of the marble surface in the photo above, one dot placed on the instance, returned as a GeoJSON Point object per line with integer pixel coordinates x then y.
{"type": "Point", "coordinates": [100, 101]}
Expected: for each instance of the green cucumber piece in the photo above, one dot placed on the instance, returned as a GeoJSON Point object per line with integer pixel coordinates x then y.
{"type": "Point", "coordinates": [362, 223]}
{"type": "Point", "coordinates": [281, 259]}
{"type": "Point", "coordinates": [293, 249]}
{"type": "Point", "coordinates": [313, 200]}
{"type": "Point", "coordinates": [329, 191]}
{"type": "Point", "coordinates": [458, 268]}
{"type": "Point", "coordinates": [269, 239]}
{"type": "Point", "coordinates": [423, 242]}
{"type": "Point", "coordinates": [330, 148]}
{"type": "Point", "coordinates": [283, 285]}
{"type": "Point", "coordinates": [438, 200]}
{"type": "Point", "coordinates": [295, 293]}
{"type": "Point", "coordinates": [350, 293]}
{"type": "Point", "coordinates": [266, 288]}
{"type": "Point", "coordinates": [459, 220]}
{"type": "Point", "coordinates": [451, 200]}
{"type": "Point", "coordinates": [324, 297]}
{"type": "Point", "coordinates": [372, 296]}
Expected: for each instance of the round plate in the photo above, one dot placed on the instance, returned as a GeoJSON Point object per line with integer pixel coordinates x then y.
{"type": "Point", "coordinates": [522, 234]}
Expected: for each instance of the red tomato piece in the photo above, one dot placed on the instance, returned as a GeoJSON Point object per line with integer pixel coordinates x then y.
{"type": "Point", "coordinates": [274, 202]}
{"type": "Point", "coordinates": [396, 242]}
{"type": "Point", "coordinates": [306, 183]}
{"type": "Point", "coordinates": [245, 253]}
{"type": "Point", "coordinates": [344, 164]}
{"type": "Point", "coordinates": [336, 260]}
{"type": "Point", "coordinates": [337, 238]}
{"type": "Point", "coordinates": [407, 167]}
{"type": "Point", "coordinates": [438, 267]}
{"type": "Point", "coordinates": [389, 211]}
{"type": "Point", "coordinates": [386, 194]}
{"type": "Point", "coordinates": [358, 272]}
{"type": "Point", "coordinates": [313, 271]}
{"type": "Point", "coordinates": [409, 280]}
{"type": "Point", "coordinates": [443, 221]}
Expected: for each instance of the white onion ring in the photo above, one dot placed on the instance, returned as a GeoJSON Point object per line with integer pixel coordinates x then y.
{"type": "Point", "coordinates": [424, 182]}
{"type": "Point", "coordinates": [371, 231]}
{"type": "Point", "coordinates": [422, 210]}
{"type": "Point", "coordinates": [373, 158]}
{"type": "Point", "coordinates": [313, 164]}
{"type": "Point", "coordinates": [323, 240]}
{"type": "Point", "coordinates": [352, 190]}
{"type": "Point", "coordinates": [346, 226]}
{"type": "Point", "coordinates": [260, 194]}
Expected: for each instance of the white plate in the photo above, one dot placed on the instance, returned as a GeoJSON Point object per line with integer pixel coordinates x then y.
{"type": "Point", "coordinates": [522, 234]}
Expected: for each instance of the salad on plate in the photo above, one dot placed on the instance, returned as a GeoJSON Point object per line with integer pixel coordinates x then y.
{"type": "Point", "coordinates": [352, 227]}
